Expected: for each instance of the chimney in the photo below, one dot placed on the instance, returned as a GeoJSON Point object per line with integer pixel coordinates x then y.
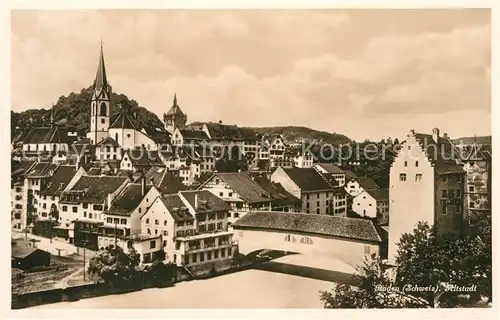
{"type": "Point", "coordinates": [143, 185]}
{"type": "Point", "coordinates": [196, 201]}
{"type": "Point", "coordinates": [152, 181]}
{"type": "Point", "coordinates": [445, 135]}
{"type": "Point", "coordinates": [435, 135]}
{"type": "Point", "coordinates": [412, 131]}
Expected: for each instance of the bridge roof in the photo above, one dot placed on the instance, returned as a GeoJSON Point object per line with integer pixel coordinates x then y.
{"type": "Point", "coordinates": [352, 228]}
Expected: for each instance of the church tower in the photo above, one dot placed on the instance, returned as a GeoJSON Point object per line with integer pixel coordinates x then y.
{"type": "Point", "coordinates": [100, 105]}
{"type": "Point", "coordinates": [174, 118]}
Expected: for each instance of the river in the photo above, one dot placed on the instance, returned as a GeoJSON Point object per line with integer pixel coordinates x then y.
{"type": "Point", "coordinates": [245, 289]}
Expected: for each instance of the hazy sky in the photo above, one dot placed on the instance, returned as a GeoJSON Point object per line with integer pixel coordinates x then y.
{"type": "Point", "coordinates": [369, 73]}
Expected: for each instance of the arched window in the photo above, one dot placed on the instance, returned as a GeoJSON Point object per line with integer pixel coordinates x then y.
{"type": "Point", "coordinates": [103, 110]}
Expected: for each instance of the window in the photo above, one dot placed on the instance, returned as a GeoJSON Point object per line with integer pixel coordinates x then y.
{"type": "Point", "coordinates": [202, 256]}
{"type": "Point", "coordinates": [367, 249]}
{"type": "Point", "coordinates": [209, 255]}
{"type": "Point", "coordinates": [128, 135]}
{"type": "Point", "coordinates": [64, 208]}
{"type": "Point", "coordinates": [149, 231]}
{"type": "Point", "coordinates": [156, 231]}
{"type": "Point", "coordinates": [75, 209]}
{"type": "Point", "coordinates": [307, 196]}
{"type": "Point", "coordinates": [85, 205]}
{"type": "Point", "coordinates": [164, 243]}
{"type": "Point", "coordinates": [103, 121]}
{"type": "Point", "coordinates": [445, 194]}
{"type": "Point", "coordinates": [402, 177]}
{"type": "Point", "coordinates": [221, 194]}
{"type": "Point", "coordinates": [317, 211]}
{"type": "Point", "coordinates": [152, 244]}
{"type": "Point", "coordinates": [216, 254]}
{"type": "Point", "coordinates": [147, 220]}
{"type": "Point", "coordinates": [165, 222]}
{"type": "Point", "coordinates": [123, 221]}
{"type": "Point", "coordinates": [109, 220]}
{"type": "Point", "coordinates": [472, 205]}
{"type": "Point", "coordinates": [418, 177]}
{"type": "Point", "coordinates": [458, 193]}
{"type": "Point", "coordinates": [229, 251]}
{"type": "Point", "coordinates": [195, 256]}
{"type": "Point", "coordinates": [98, 207]}
{"type": "Point", "coordinates": [406, 163]}
{"type": "Point", "coordinates": [416, 163]}
{"type": "Point", "coordinates": [230, 194]}
{"type": "Point", "coordinates": [471, 188]}
{"type": "Point", "coordinates": [157, 222]}
{"type": "Point", "coordinates": [165, 232]}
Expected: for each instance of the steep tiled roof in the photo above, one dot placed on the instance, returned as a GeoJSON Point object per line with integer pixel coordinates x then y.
{"type": "Point", "coordinates": [45, 135]}
{"type": "Point", "coordinates": [367, 183]}
{"type": "Point", "coordinates": [176, 207]}
{"type": "Point", "coordinates": [379, 194]}
{"type": "Point", "coordinates": [245, 186]}
{"type": "Point", "coordinates": [21, 167]}
{"type": "Point", "coordinates": [190, 134]}
{"type": "Point", "coordinates": [308, 179]}
{"type": "Point", "coordinates": [108, 142]}
{"type": "Point", "coordinates": [331, 168]}
{"type": "Point", "coordinates": [358, 229]}
{"type": "Point", "coordinates": [96, 188]}
{"type": "Point", "coordinates": [441, 154]}
{"type": "Point", "coordinates": [122, 121]}
{"type": "Point", "coordinates": [156, 133]}
{"type": "Point", "coordinates": [62, 176]}
{"type": "Point", "coordinates": [42, 169]}
{"type": "Point", "coordinates": [207, 201]}
{"type": "Point", "coordinates": [165, 181]}
{"type": "Point", "coordinates": [278, 194]}
{"type": "Point", "coordinates": [145, 158]}
{"type": "Point", "coordinates": [349, 175]}
{"type": "Point", "coordinates": [219, 131]}
{"type": "Point", "coordinates": [128, 199]}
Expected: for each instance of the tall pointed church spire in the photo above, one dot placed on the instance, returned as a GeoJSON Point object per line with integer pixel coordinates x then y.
{"type": "Point", "coordinates": [101, 79]}
{"type": "Point", "coordinates": [175, 99]}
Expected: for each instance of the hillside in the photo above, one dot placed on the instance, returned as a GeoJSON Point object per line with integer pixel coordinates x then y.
{"type": "Point", "coordinates": [73, 111]}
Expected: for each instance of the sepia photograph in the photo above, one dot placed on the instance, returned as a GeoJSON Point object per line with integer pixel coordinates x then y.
{"type": "Point", "coordinates": [251, 159]}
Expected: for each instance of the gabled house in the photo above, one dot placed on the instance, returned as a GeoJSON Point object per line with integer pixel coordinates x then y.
{"type": "Point", "coordinates": [355, 186]}
{"type": "Point", "coordinates": [244, 192]}
{"type": "Point", "coordinates": [426, 184]}
{"type": "Point", "coordinates": [318, 195]}
{"type": "Point", "coordinates": [372, 203]}
{"type": "Point", "coordinates": [108, 149]}
{"type": "Point", "coordinates": [335, 172]}
{"type": "Point", "coordinates": [84, 202]}
{"type": "Point", "coordinates": [140, 159]}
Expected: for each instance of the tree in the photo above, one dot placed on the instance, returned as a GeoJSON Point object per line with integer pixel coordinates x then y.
{"type": "Point", "coordinates": [425, 259]}
{"type": "Point", "coordinates": [114, 266]}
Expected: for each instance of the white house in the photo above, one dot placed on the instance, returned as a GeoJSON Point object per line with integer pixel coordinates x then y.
{"type": "Point", "coordinates": [372, 203]}
{"type": "Point", "coordinates": [355, 186]}
{"type": "Point", "coordinates": [331, 169]}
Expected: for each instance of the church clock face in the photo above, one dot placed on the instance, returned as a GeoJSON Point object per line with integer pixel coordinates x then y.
{"type": "Point", "coordinates": [169, 121]}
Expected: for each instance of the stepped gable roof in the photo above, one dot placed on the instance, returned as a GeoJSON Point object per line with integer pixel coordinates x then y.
{"type": "Point", "coordinates": [128, 199]}
{"type": "Point", "coordinates": [176, 208]}
{"type": "Point", "coordinates": [331, 168]}
{"type": "Point", "coordinates": [207, 201]}
{"type": "Point", "coordinates": [108, 142]}
{"type": "Point", "coordinates": [277, 193]}
{"type": "Point", "coordinates": [441, 154]}
{"type": "Point", "coordinates": [59, 180]}
{"type": "Point", "coordinates": [42, 170]}
{"type": "Point", "coordinates": [379, 194]}
{"type": "Point", "coordinates": [164, 180]}
{"type": "Point", "coordinates": [244, 186]}
{"type": "Point", "coordinates": [95, 189]}
{"type": "Point", "coordinates": [308, 179]}
{"type": "Point", "coordinates": [319, 224]}
{"type": "Point", "coordinates": [39, 135]}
